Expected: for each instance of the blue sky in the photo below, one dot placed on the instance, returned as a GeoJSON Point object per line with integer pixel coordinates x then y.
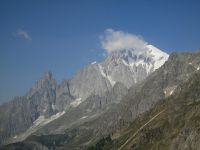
{"type": "Point", "coordinates": [63, 36]}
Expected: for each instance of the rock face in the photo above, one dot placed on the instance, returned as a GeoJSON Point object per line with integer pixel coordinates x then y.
{"type": "Point", "coordinates": [19, 114]}
{"type": "Point", "coordinates": [137, 100]}
{"type": "Point", "coordinates": [43, 95]}
{"type": "Point", "coordinates": [63, 96]}
{"type": "Point", "coordinates": [170, 125]}
{"type": "Point", "coordinates": [88, 81]}
{"type": "Point", "coordinates": [92, 108]}
{"type": "Point", "coordinates": [88, 94]}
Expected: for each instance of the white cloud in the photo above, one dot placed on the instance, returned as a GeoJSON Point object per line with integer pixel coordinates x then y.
{"type": "Point", "coordinates": [23, 35]}
{"type": "Point", "coordinates": [118, 40]}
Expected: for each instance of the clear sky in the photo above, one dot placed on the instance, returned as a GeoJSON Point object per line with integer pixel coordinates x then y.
{"type": "Point", "coordinates": [63, 36]}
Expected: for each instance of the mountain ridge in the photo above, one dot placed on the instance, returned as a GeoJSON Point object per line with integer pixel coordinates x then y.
{"type": "Point", "coordinates": [104, 117]}
{"type": "Point", "coordinates": [48, 100]}
{"type": "Point", "coordinates": [170, 124]}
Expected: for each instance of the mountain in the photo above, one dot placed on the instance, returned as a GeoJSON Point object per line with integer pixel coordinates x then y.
{"type": "Point", "coordinates": [90, 93]}
{"type": "Point", "coordinates": [107, 116]}
{"type": "Point", "coordinates": [171, 124]}
{"type": "Point", "coordinates": [124, 66]}
{"type": "Point", "coordinates": [139, 99]}
{"type": "Point", "coordinates": [132, 66]}
{"type": "Point", "coordinates": [80, 120]}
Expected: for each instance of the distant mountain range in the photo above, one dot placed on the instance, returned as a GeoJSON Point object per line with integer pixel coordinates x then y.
{"type": "Point", "coordinates": [106, 105]}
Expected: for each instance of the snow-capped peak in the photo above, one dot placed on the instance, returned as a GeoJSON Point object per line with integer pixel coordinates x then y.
{"type": "Point", "coordinates": [159, 57]}
{"type": "Point", "coordinates": [139, 63]}
{"type": "Point", "coordinates": [150, 57]}
{"type": "Point", "coordinates": [130, 66]}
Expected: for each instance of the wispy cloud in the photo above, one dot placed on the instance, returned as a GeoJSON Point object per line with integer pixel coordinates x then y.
{"type": "Point", "coordinates": [23, 35]}
{"type": "Point", "coordinates": [118, 40]}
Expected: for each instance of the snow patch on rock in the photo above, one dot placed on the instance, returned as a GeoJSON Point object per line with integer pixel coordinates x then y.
{"type": "Point", "coordinates": [159, 57]}
{"type": "Point", "coordinates": [53, 107]}
{"type": "Point", "coordinates": [41, 120]}
{"type": "Point", "coordinates": [109, 78]}
{"type": "Point", "coordinates": [168, 91]}
{"type": "Point", "coordinates": [83, 117]}
{"type": "Point", "coordinates": [76, 102]}
{"type": "Point", "coordinates": [112, 82]}
{"type": "Point", "coordinates": [15, 137]}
